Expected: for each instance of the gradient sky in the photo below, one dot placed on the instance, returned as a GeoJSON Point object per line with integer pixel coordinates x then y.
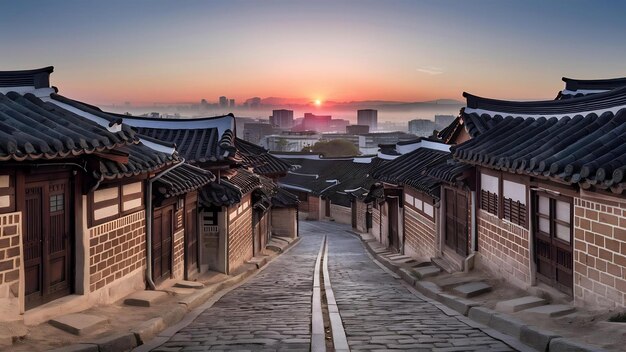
{"type": "Point", "coordinates": [174, 51]}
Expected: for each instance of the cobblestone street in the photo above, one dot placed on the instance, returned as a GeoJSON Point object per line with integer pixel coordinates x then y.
{"type": "Point", "coordinates": [272, 311]}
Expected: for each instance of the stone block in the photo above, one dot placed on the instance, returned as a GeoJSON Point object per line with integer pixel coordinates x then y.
{"type": "Point", "coordinates": [145, 298]}
{"type": "Point", "coordinates": [79, 347]}
{"type": "Point", "coordinates": [472, 289]}
{"type": "Point", "coordinates": [189, 284]}
{"type": "Point", "coordinates": [407, 276]}
{"type": "Point", "coordinates": [564, 345]}
{"type": "Point", "coordinates": [481, 315]}
{"type": "Point", "coordinates": [428, 289]}
{"type": "Point", "coordinates": [78, 323]}
{"type": "Point", "coordinates": [461, 305]}
{"type": "Point", "coordinates": [550, 310]}
{"type": "Point", "coordinates": [537, 338]}
{"type": "Point", "coordinates": [517, 304]}
{"type": "Point", "coordinates": [117, 342]}
{"type": "Point", "coordinates": [507, 325]}
{"type": "Point", "coordinates": [426, 271]}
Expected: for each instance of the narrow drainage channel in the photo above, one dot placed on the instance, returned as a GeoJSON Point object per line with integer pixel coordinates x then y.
{"type": "Point", "coordinates": [318, 333]}
{"type": "Point", "coordinates": [328, 334]}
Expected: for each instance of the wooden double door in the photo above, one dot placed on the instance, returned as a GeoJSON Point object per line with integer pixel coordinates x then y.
{"type": "Point", "coordinates": [162, 241]}
{"type": "Point", "coordinates": [392, 219]}
{"type": "Point", "coordinates": [48, 239]}
{"type": "Point", "coordinates": [552, 232]}
{"type": "Point", "coordinates": [192, 264]}
{"type": "Point", "coordinates": [260, 231]}
{"type": "Point", "coordinates": [456, 223]}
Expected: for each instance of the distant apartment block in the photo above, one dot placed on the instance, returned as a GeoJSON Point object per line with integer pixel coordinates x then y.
{"type": "Point", "coordinates": [367, 117]}
{"type": "Point", "coordinates": [443, 121]}
{"type": "Point", "coordinates": [289, 141]}
{"type": "Point", "coordinates": [282, 118]}
{"type": "Point", "coordinates": [421, 127]}
{"type": "Point", "coordinates": [319, 123]}
{"type": "Point", "coordinates": [254, 132]}
{"type": "Point", "coordinates": [231, 103]}
{"type": "Point", "coordinates": [339, 125]}
{"type": "Point", "coordinates": [223, 102]}
{"type": "Point", "coordinates": [368, 143]}
{"type": "Point", "coordinates": [357, 129]}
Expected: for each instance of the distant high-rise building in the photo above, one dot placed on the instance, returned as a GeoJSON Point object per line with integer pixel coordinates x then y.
{"type": "Point", "coordinates": [367, 117]}
{"type": "Point", "coordinates": [204, 104]}
{"type": "Point", "coordinates": [282, 118]}
{"type": "Point", "coordinates": [231, 103]}
{"type": "Point", "coordinates": [421, 127]}
{"type": "Point", "coordinates": [339, 125]}
{"type": "Point", "coordinates": [443, 121]}
{"type": "Point", "coordinates": [255, 131]}
{"type": "Point", "coordinates": [319, 123]}
{"type": "Point", "coordinates": [357, 129]}
{"type": "Point", "coordinates": [223, 102]}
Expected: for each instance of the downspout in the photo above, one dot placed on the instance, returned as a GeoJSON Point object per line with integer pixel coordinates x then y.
{"type": "Point", "coordinates": [468, 263]}
{"type": "Point", "coordinates": [149, 212]}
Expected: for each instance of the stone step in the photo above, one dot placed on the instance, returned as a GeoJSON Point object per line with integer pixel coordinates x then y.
{"type": "Point", "coordinates": [472, 289]}
{"type": "Point", "coordinates": [550, 310]}
{"type": "Point", "coordinates": [426, 271]}
{"type": "Point", "coordinates": [517, 304]}
{"type": "Point", "coordinates": [145, 298]}
{"type": "Point", "coordinates": [78, 323]}
{"type": "Point", "coordinates": [189, 284]}
{"type": "Point", "coordinates": [444, 265]}
{"type": "Point", "coordinates": [451, 282]}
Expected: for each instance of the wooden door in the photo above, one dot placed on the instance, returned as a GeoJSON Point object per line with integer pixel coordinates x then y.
{"type": "Point", "coordinates": [256, 232]}
{"type": "Point", "coordinates": [191, 239]}
{"type": "Point", "coordinates": [456, 224]}
{"type": "Point", "coordinates": [327, 206]}
{"type": "Point", "coordinates": [552, 231]}
{"type": "Point", "coordinates": [354, 214]}
{"type": "Point", "coordinates": [162, 234]}
{"type": "Point", "coordinates": [394, 240]}
{"type": "Point", "coordinates": [47, 240]}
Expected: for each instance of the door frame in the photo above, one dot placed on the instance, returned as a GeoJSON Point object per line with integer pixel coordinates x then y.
{"type": "Point", "coordinates": [158, 211]}
{"type": "Point", "coordinates": [191, 232]}
{"type": "Point", "coordinates": [454, 223]}
{"type": "Point", "coordinates": [44, 178]}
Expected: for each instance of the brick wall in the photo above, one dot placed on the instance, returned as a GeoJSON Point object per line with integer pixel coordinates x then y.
{"type": "Point", "coordinates": [504, 249]}
{"type": "Point", "coordinates": [284, 222]}
{"type": "Point", "coordinates": [178, 257]}
{"type": "Point", "coordinates": [600, 252]}
{"type": "Point", "coordinates": [420, 238]}
{"type": "Point", "coordinates": [116, 248]}
{"type": "Point", "coordinates": [340, 214]}
{"type": "Point", "coordinates": [10, 255]}
{"type": "Point", "coordinates": [240, 245]}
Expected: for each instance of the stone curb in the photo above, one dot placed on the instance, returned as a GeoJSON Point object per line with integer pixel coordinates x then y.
{"type": "Point", "coordinates": [150, 329]}
{"type": "Point", "coordinates": [494, 323]}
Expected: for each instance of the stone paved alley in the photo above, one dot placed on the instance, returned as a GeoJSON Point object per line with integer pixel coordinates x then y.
{"type": "Point", "coordinates": [272, 311]}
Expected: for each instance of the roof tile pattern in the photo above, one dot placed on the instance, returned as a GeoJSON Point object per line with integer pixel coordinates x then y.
{"type": "Point", "coordinates": [260, 159]}
{"type": "Point", "coordinates": [183, 179]}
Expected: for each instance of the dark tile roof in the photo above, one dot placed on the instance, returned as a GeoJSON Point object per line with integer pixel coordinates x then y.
{"type": "Point", "coordinates": [37, 78]}
{"type": "Point", "coordinates": [284, 199]}
{"type": "Point", "coordinates": [589, 150]}
{"type": "Point", "coordinates": [218, 194]}
{"type": "Point", "coordinates": [183, 179]}
{"type": "Point", "coordinates": [449, 171]}
{"type": "Point", "coordinates": [197, 140]}
{"type": "Point", "coordinates": [451, 131]}
{"type": "Point", "coordinates": [575, 88]}
{"type": "Point", "coordinates": [32, 129]}
{"type": "Point", "coordinates": [141, 160]}
{"type": "Point", "coordinates": [260, 159]}
{"type": "Point", "coordinates": [245, 180]}
{"type": "Point", "coordinates": [412, 169]}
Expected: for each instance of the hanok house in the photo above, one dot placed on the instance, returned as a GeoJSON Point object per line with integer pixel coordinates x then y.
{"type": "Point", "coordinates": [325, 186]}
{"type": "Point", "coordinates": [235, 210]}
{"type": "Point", "coordinates": [424, 203]}
{"type": "Point", "coordinates": [73, 201]}
{"type": "Point", "coordinates": [550, 181]}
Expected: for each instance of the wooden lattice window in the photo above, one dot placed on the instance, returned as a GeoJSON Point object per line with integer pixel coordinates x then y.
{"type": "Point", "coordinates": [489, 202]}
{"type": "Point", "coordinates": [515, 211]}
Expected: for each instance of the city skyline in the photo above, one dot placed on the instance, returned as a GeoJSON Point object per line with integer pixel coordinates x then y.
{"type": "Point", "coordinates": [171, 52]}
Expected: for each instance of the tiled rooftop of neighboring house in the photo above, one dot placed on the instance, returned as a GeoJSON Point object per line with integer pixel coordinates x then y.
{"type": "Point", "coordinates": [575, 88]}
{"type": "Point", "coordinates": [578, 140]}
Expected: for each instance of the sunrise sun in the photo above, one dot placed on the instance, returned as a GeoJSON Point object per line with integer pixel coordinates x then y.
{"type": "Point", "coordinates": [318, 102]}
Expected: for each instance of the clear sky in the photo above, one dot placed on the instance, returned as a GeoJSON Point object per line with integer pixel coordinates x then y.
{"type": "Point", "coordinates": [173, 51]}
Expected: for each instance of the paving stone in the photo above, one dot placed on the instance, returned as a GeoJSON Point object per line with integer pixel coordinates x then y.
{"type": "Point", "coordinates": [145, 298]}
{"type": "Point", "coordinates": [517, 304]}
{"type": "Point", "coordinates": [78, 323]}
{"type": "Point", "coordinates": [550, 310]}
{"type": "Point", "coordinates": [189, 284]}
{"type": "Point", "coordinates": [472, 289]}
{"type": "Point", "coordinates": [426, 271]}
{"type": "Point", "coordinates": [537, 338]}
{"type": "Point", "coordinates": [450, 282]}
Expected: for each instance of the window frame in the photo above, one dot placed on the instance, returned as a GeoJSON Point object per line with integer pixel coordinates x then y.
{"type": "Point", "coordinates": [500, 212]}
{"type": "Point", "coordinates": [120, 202]}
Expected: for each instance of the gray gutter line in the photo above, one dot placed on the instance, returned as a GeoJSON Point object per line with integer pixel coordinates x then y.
{"type": "Point", "coordinates": [149, 213]}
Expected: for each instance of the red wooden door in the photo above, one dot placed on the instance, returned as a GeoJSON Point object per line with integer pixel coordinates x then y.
{"type": "Point", "coordinates": [162, 243]}
{"type": "Point", "coordinates": [47, 241]}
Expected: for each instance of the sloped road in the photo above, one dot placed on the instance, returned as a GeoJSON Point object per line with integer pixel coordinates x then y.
{"type": "Point", "coordinates": [272, 311]}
